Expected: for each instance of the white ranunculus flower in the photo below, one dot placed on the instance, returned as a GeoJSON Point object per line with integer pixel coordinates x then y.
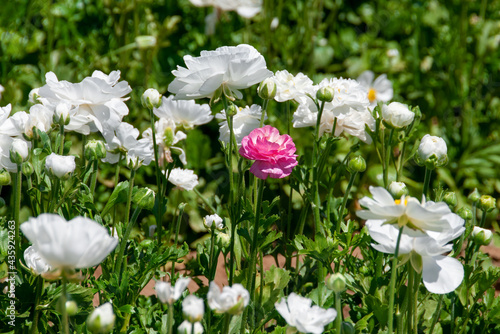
{"type": "Point", "coordinates": [187, 114]}
{"type": "Point", "coordinates": [290, 87]}
{"type": "Point", "coordinates": [14, 125]}
{"type": "Point", "coordinates": [193, 308]}
{"type": "Point", "coordinates": [102, 319]}
{"type": "Point", "coordinates": [19, 150]}
{"type": "Point", "coordinates": [232, 299]}
{"type": "Point", "coordinates": [185, 179]}
{"type": "Point", "coordinates": [5, 162]}
{"type": "Point", "coordinates": [298, 313]}
{"type": "Point", "coordinates": [398, 189]}
{"type": "Point", "coordinates": [441, 274]}
{"type": "Point", "coordinates": [379, 89]}
{"type": "Point", "coordinates": [97, 101]}
{"type": "Point", "coordinates": [245, 8]}
{"type": "Point", "coordinates": [245, 121]}
{"type": "Point", "coordinates": [214, 220]}
{"type": "Point", "coordinates": [167, 293]}
{"type": "Point", "coordinates": [482, 236]}
{"type": "Point", "coordinates": [34, 261]}
{"type": "Point", "coordinates": [60, 166]}
{"type": "Point", "coordinates": [432, 151]}
{"type": "Point", "coordinates": [229, 67]}
{"type": "Point", "coordinates": [166, 137]}
{"type": "Point", "coordinates": [408, 211]}
{"type": "Point", "coordinates": [78, 243]}
{"type": "Point", "coordinates": [151, 98]}
{"type": "Point", "coordinates": [186, 327]}
{"type": "Point", "coordinates": [397, 115]}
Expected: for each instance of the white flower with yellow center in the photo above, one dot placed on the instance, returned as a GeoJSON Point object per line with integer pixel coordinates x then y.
{"type": "Point", "coordinates": [379, 89]}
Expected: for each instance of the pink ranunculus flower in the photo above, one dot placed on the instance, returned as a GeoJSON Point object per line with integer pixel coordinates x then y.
{"type": "Point", "coordinates": [273, 153]}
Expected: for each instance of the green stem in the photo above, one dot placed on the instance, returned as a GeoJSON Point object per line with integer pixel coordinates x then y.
{"type": "Point", "coordinates": [227, 320]}
{"type": "Point", "coordinates": [124, 240]}
{"type": "Point", "coordinates": [427, 180]}
{"type": "Point", "coordinates": [207, 203]}
{"type": "Point", "coordinates": [93, 180]}
{"type": "Point", "coordinates": [392, 285]}
{"type": "Point", "coordinates": [338, 306]}
{"type": "Point", "coordinates": [401, 160]}
{"type": "Point", "coordinates": [176, 238]}
{"type": "Point", "coordinates": [159, 211]}
{"type": "Point", "coordinates": [84, 142]}
{"type": "Point", "coordinates": [483, 219]}
{"type": "Point", "coordinates": [387, 162]}
{"type": "Point", "coordinates": [409, 295]}
{"type": "Point", "coordinates": [170, 322]}
{"type": "Point", "coordinates": [416, 285]}
{"type": "Point", "coordinates": [64, 313]}
{"type": "Point", "coordinates": [231, 250]}
{"type": "Point", "coordinates": [36, 312]}
{"type": "Point", "coordinates": [344, 201]}
{"type": "Point", "coordinates": [211, 273]}
{"type": "Point", "coordinates": [264, 111]}
{"type": "Point", "coordinates": [17, 208]}
{"type": "Point", "coordinates": [316, 198]}
{"type": "Point", "coordinates": [61, 134]}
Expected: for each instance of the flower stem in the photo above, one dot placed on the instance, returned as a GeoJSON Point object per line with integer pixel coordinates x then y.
{"type": "Point", "coordinates": [36, 312]}
{"type": "Point", "coordinates": [344, 201]}
{"type": "Point", "coordinates": [123, 242]}
{"type": "Point", "coordinates": [409, 295]}
{"type": "Point", "coordinates": [159, 211]}
{"type": "Point", "coordinates": [427, 180]}
{"type": "Point", "coordinates": [93, 181]}
{"type": "Point", "coordinates": [227, 320]}
{"type": "Point", "coordinates": [401, 161]}
{"type": "Point", "coordinates": [61, 135]}
{"type": "Point", "coordinates": [207, 203]}
{"type": "Point", "coordinates": [416, 285]}
{"type": "Point", "coordinates": [388, 159]}
{"type": "Point", "coordinates": [62, 300]}
{"type": "Point", "coordinates": [392, 285]}
{"type": "Point", "coordinates": [338, 306]}
{"type": "Point", "coordinates": [316, 198]}
{"type": "Point", "coordinates": [264, 111]}
{"type": "Point", "coordinates": [170, 321]}
{"type": "Point", "coordinates": [17, 208]}
{"type": "Point", "coordinates": [176, 238]}
{"type": "Point", "coordinates": [211, 272]}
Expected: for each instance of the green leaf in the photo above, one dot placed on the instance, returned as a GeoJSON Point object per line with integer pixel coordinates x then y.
{"type": "Point", "coordinates": [119, 195]}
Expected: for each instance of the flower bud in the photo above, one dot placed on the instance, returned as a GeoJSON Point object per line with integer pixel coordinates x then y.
{"type": "Point", "coordinates": [102, 319]}
{"type": "Point", "coordinates": [213, 221]}
{"type": "Point", "coordinates": [398, 189]}
{"type": "Point", "coordinates": [19, 151]}
{"type": "Point", "coordinates": [59, 166]}
{"type": "Point", "coordinates": [33, 95]}
{"type": "Point", "coordinates": [397, 115]}
{"type": "Point", "coordinates": [357, 164]}
{"type": "Point", "coordinates": [5, 178]}
{"type": "Point", "coordinates": [61, 114]}
{"type": "Point", "coordinates": [487, 203]}
{"type": "Point", "coordinates": [151, 98]}
{"type": "Point", "coordinates": [231, 110]}
{"type": "Point", "coordinates": [325, 94]}
{"type": "Point", "coordinates": [482, 236]}
{"type": "Point", "coordinates": [474, 196]}
{"type": "Point", "coordinates": [432, 152]}
{"type": "Point", "coordinates": [2, 202]}
{"type": "Point", "coordinates": [95, 150]}
{"type": "Point", "coordinates": [27, 168]}
{"type": "Point", "coordinates": [145, 42]}
{"type": "Point", "coordinates": [168, 137]}
{"type": "Point", "coordinates": [71, 308]}
{"type": "Point", "coordinates": [465, 213]}
{"type": "Point", "coordinates": [267, 89]}
{"type": "Point", "coordinates": [336, 282]}
{"type": "Point", "coordinates": [144, 198]}
{"type": "Point", "coordinates": [450, 198]}
{"type": "Point", "coordinates": [223, 239]}
{"type": "Point", "coordinates": [193, 308]}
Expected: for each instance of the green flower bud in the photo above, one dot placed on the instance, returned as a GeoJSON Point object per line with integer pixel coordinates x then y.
{"type": "Point", "coordinates": [336, 282]}
{"type": "Point", "coordinates": [487, 203]}
{"type": "Point", "coordinates": [416, 262]}
{"type": "Point", "coordinates": [168, 137]}
{"type": "Point", "coordinates": [2, 202]}
{"type": "Point", "coordinates": [102, 319]}
{"type": "Point", "coordinates": [71, 308]}
{"type": "Point", "coordinates": [450, 198]}
{"type": "Point", "coordinates": [325, 94]}
{"type": "Point", "coordinates": [151, 98]}
{"type": "Point", "coordinates": [474, 196]}
{"type": "Point", "coordinates": [5, 178]}
{"type": "Point", "coordinates": [95, 150]}
{"type": "Point", "coordinates": [19, 151]}
{"type": "Point", "coordinates": [27, 168]}
{"type": "Point", "coordinates": [481, 236]}
{"type": "Point", "coordinates": [465, 213]}
{"type": "Point", "coordinates": [223, 239]}
{"type": "Point", "coordinates": [357, 164]}
{"type": "Point", "coordinates": [398, 189]}
{"type": "Point", "coordinates": [232, 110]}
{"type": "Point", "coordinates": [144, 198]}
{"type": "Point", "coordinates": [61, 114]}
{"type": "Point", "coordinates": [267, 89]}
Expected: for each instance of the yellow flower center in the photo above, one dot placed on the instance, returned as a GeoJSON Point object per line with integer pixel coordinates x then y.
{"type": "Point", "coordinates": [398, 201]}
{"type": "Point", "coordinates": [372, 95]}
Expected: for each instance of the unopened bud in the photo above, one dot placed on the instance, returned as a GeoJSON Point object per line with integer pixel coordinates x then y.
{"type": "Point", "coordinates": [267, 89]}
{"type": "Point", "coordinates": [465, 213]}
{"type": "Point", "coordinates": [232, 110]}
{"type": "Point", "coordinates": [19, 151]}
{"type": "Point", "coordinates": [27, 168]}
{"type": "Point", "coordinates": [5, 178]}
{"type": "Point", "coordinates": [487, 203]}
{"type": "Point", "coordinates": [95, 150]}
{"type": "Point", "coordinates": [144, 198]}
{"type": "Point", "coordinates": [223, 239]}
{"type": "Point", "coordinates": [102, 319]}
{"type": "Point", "coordinates": [151, 98]}
{"type": "Point", "coordinates": [336, 282]}
{"type": "Point", "coordinates": [398, 189]}
{"type": "Point", "coordinates": [357, 164]}
{"type": "Point", "coordinates": [61, 114]}
{"type": "Point", "coordinates": [2, 202]}
{"type": "Point", "coordinates": [325, 94]}
{"type": "Point", "coordinates": [71, 307]}
{"type": "Point", "coordinates": [482, 236]}
{"type": "Point", "coordinates": [145, 42]}
{"type": "Point", "coordinates": [33, 95]}
{"type": "Point", "coordinates": [168, 137]}
{"type": "Point", "coordinates": [450, 198]}
{"type": "Point", "coordinates": [474, 196]}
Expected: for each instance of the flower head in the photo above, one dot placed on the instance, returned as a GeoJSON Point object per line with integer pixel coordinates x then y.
{"type": "Point", "coordinates": [212, 221]}
{"type": "Point", "coordinates": [167, 293]}
{"type": "Point", "coordinates": [229, 68]}
{"type": "Point", "coordinates": [151, 98]}
{"type": "Point", "coordinates": [290, 87]}
{"type": "Point", "coordinates": [79, 243]}
{"type": "Point", "coordinates": [273, 153]}
{"type": "Point", "coordinates": [397, 115]}
{"type": "Point", "coordinates": [185, 179]}
{"type": "Point", "coordinates": [186, 327]}
{"type": "Point", "coordinates": [299, 313]}
{"type": "Point", "coordinates": [245, 120]}
{"type": "Point", "coordinates": [102, 319]}
{"type": "Point", "coordinates": [187, 114]}
{"type": "Point", "coordinates": [432, 152]}
{"type": "Point", "coordinates": [193, 308]}
{"type": "Point", "coordinates": [231, 300]}
{"type": "Point", "coordinates": [35, 262]}
{"type": "Point", "coordinates": [60, 166]}
{"type": "Point", "coordinates": [379, 89]}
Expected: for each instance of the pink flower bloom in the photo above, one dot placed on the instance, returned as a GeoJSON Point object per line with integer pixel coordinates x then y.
{"type": "Point", "coordinates": [273, 153]}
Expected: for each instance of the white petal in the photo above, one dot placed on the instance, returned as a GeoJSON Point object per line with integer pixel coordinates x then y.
{"type": "Point", "coordinates": [442, 274]}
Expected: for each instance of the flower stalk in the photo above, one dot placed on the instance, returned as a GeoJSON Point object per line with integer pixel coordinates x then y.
{"type": "Point", "coordinates": [392, 285]}
{"type": "Point", "coordinates": [17, 208]}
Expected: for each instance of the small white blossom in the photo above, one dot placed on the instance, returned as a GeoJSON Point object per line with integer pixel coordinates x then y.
{"type": "Point", "coordinates": [232, 299]}
{"type": "Point", "coordinates": [432, 150]}
{"type": "Point", "coordinates": [290, 87]}
{"type": "Point", "coordinates": [187, 114]}
{"type": "Point", "coordinates": [167, 293]}
{"type": "Point", "coordinates": [60, 166]}
{"type": "Point", "coordinates": [397, 115]}
{"type": "Point", "coordinates": [35, 262]}
{"type": "Point", "coordinates": [185, 179]}
{"type": "Point", "coordinates": [151, 98]}
{"type": "Point", "coordinates": [102, 319]}
{"type": "Point", "coordinates": [379, 89]}
{"type": "Point", "coordinates": [193, 308]}
{"type": "Point", "coordinates": [186, 327]}
{"type": "Point", "coordinates": [211, 221]}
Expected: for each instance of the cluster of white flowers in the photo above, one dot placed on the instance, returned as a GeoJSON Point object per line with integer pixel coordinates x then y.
{"type": "Point", "coordinates": [428, 229]}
